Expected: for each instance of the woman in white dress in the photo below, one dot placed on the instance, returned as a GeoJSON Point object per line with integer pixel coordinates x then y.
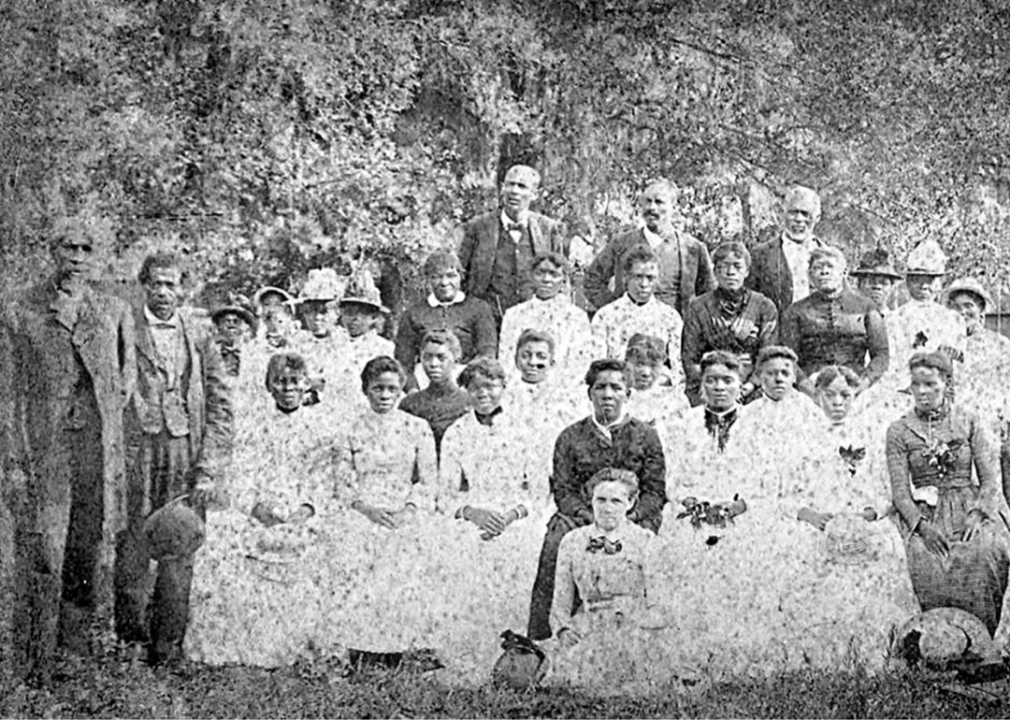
{"type": "Point", "coordinates": [384, 585]}
{"type": "Point", "coordinates": [258, 584]}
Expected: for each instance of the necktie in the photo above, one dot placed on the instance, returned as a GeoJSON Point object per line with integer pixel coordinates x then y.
{"type": "Point", "coordinates": [718, 426]}
{"type": "Point", "coordinates": [601, 543]}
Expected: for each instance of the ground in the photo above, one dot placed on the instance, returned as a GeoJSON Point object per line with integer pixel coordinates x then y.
{"type": "Point", "coordinates": [113, 686]}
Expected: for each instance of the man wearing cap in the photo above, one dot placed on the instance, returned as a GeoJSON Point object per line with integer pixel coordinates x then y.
{"type": "Point", "coordinates": [68, 363]}
{"type": "Point", "coordinates": [875, 278]}
{"type": "Point", "coordinates": [179, 434]}
{"type": "Point", "coordinates": [779, 266]}
{"type": "Point", "coordinates": [923, 324]}
{"type": "Point", "coordinates": [685, 269]}
{"type": "Point", "coordinates": [498, 247]}
{"type": "Point", "coordinates": [234, 323]}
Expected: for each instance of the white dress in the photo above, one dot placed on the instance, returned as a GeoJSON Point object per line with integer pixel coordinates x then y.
{"type": "Point", "coordinates": [615, 323]}
{"type": "Point", "coordinates": [258, 593]}
{"type": "Point", "coordinates": [567, 323]}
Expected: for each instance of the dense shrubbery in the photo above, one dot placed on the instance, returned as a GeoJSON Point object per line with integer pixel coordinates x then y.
{"type": "Point", "coordinates": [267, 137]}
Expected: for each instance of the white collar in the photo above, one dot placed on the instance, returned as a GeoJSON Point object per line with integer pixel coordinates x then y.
{"type": "Point", "coordinates": [155, 321]}
{"type": "Point", "coordinates": [523, 219]}
{"type": "Point", "coordinates": [605, 429]}
{"type": "Point", "coordinates": [654, 239]}
{"type": "Point", "coordinates": [434, 302]}
{"type": "Point", "coordinates": [647, 303]}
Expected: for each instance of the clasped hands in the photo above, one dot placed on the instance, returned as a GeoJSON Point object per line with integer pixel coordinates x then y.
{"type": "Point", "coordinates": [820, 520]}
{"type": "Point", "coordinates": [270, 515]}
{"type": "Point", "coordinates": [938, 543]}
{"type": "Point", "coordinates": [383, 517]}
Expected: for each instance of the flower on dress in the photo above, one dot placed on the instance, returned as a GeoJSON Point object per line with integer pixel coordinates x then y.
{"type": "Point", "coordinates": [703, 512]}
{"type": "Point", "coordinates": [943, 455]}
{"type": "Point", "coordinates": [852, 457]}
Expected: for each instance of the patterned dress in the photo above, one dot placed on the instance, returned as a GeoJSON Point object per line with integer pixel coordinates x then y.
{"type": "Point", "coordinates": [567, 323]}
{"type": "Point", "coordinates": [258, 593]}
{"type": "Point", "coordinates": [930, 458]}
{"type": "Point", "coordinates": [385, 582]}
{"type": "Point", "coordinates": [614, 324]}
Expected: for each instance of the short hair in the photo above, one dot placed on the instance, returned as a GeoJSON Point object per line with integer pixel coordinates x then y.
{"type": "Point", "coordinates": [530, 335]}
{"type": "Point", "coordinates": [830, 373]}
{"type": "Point", "coordinates": [160, 260]}
{"type": "Point", "coordinates": [485, 367]}
{"type": "Point", "coordinates": [379, 365]}
{"type": "Point", "coordinates": [773, 352]}
{"type": "Point", "coordinates": [440, 261]}
{"type": "Point", "coordinates": [285, 362]}
{"type": "Point", "coordinates": [935, 360]}
{"type": "Point", "coordinates": [645, 349]}
{"type": "Point", "coordinates": [730, 249]}
{"type": "Point", "coordinates": [799, 192]}
{"type": "Point", "coordinates": [612, 474]}
{"type": "Point", "coordinates": [667, 186]}
{"type": "Point", "coordinates": [446, 338]}
{"type": "Point", "coordinates": [827, 251]}
{"type": "Point", "coordinates": [555, 258]}
{"type": "Point", "coordinates": [596, 367]}
{"type": "Point", "coordinates": [533, 172]}
{"type": "Point", "coordinates": [639, 254]}
{"type": "Point", "coordinates": [721, 357]}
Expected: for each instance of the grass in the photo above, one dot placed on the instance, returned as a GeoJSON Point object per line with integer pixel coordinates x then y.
{"type": "Point", "coordinates": [115, 687]}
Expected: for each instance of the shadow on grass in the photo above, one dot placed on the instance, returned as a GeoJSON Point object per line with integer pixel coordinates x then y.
{"type": "Point", "coordinates": [112, 687]}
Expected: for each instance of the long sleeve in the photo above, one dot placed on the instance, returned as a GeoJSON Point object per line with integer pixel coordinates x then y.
{"type": "Point", "coordinates": [485, 330]}
{"type": "Point", "coordinates": [127, 352]}
{"type": "Point", "coordinates": [564, 584]}
{"type": "Point", "coordinates": [467, 252]}
{"type": "Point", "coordinates": [768, 324]}
{"type": "Point", "coordinates": [508, 338]}
{"type": "Point", "coordinates": [565, 484]}
{"type": "Point", "coordinates": [705, 280]}
{"type": "Point", "coordinates": [692, 342]}
{"type": "Point", "coordinates": [345, 474]}
{"type": "Point", "coordinates": [897, 468]}
{"type": "Point", "coordinates": [985, 456]}
{"type": "Point", "coordinates": [789, 331]}
{"type": "Point", "coordinates": [216, 447]}
{"type": "Point", "coordinates": [652, 480]}
{"type": "Point", "coordinates": [425, 481]}
{"type": "Point", "coordinates": [598, 276]}
{"type": "Point", "coordinates": [405, 348]}
{"type": "Point", "coordinates": [876, 338]}
{"type": "Point", "coordinates": [450, 472]}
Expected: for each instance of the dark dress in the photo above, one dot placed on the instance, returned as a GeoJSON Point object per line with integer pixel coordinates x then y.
{"type": "Point", "coordinates": [930, 460]}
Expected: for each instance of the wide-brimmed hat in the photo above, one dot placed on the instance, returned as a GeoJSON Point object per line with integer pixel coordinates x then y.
{"type": "Point", "coordinates": [973, 286]}
{"type": "Point", "coordinates": [361, 289]}
{"type": "Point", "coordinates": [944, 635]}
{"type": "Point", "coordinates": [876, 262]}
{"type": "Point", "coordinates": [926, 258]}
{"type": "Point", "coordinates": [237, 305]}
{"type": "Point", "coordinates": [323, 285]}
{"type": "Point", "coordinates": [272, 290]}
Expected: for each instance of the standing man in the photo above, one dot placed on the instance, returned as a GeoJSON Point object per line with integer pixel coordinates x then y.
{"type": "Point", "coordinates": [779, 270]}
{"type": "Point", "coordinates": [180, 434]}
{"type": "Point", "coordinates": [685, 269]}
{"type": "Point", "coordinates": [498, 247]}
{"type": "Point", "coordinates": [71, 371]}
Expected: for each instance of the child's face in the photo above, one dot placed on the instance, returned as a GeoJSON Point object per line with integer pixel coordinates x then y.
{"type": "Point", "coordinates": [534, 360]}
{"type": "Point", "coordinates": [720, 386]}
{"type": "Point", "coordinates": [358, 319]}
{"type": "Point", "coordinates": [641, 281]}
{"type": "Point", "coordinates": [777, 376]}
{"type": "Point", "coordinates": [611, 504]}
{"type": "Point", "coordinates": [643, 374]}
{"type": "Point", "coordinates": [288, 388]}
{"type": "Point", "coordinates": [485, 394]}
{"type": "Point", "coordinates": [438, 363]}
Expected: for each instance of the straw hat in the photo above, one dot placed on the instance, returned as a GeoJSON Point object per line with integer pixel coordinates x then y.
{"type": "Point", "coordinates": [323, 284]}
{"type": "Point", "coordinates": [237, 305]}
{"type": "Point", "coordinates": [876, 262]}
{"type": "Point", "coordinates": [287, 297]}
{"type": "Point", "coordinates": [944, 635]}
{"type": "Point", "coordinates": [361, 289]}
{"type": "Point", "coordinates": [973, 286]}
{"type": "Point", "coordinates": [926, 258]}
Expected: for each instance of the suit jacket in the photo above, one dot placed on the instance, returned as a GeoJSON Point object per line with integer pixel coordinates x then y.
{"type": "Point", "coordinates": [203, 399]}
{"type": "Point", "coordinates": [770, 274]}
{"type": "Point", "coordinates": [696, 276]}
{"type": "Point", "coordinates": [35, 489]}
{"type": "Point", "coordinates": [480, 240]}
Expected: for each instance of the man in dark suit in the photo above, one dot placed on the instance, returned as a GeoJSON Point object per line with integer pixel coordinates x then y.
{"type": "Point", "coordinates": [779, 267]}
{"type": "Point", "coordinates": [498, 247]}
{"type": "Point", "coordinates": [179, 436]}
{"type": "Point", "coordinates": [685, 269]}
{"type": "Point", "coordinates": [68, 356]}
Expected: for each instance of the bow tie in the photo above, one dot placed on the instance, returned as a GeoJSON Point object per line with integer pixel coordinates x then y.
{"type": "Point", "coordinates": [231, 356]}
{"type": "Point", "coordinates": [852, 457]}
{"type": "Point", "coordinates": [601, 543]}
{"type": "Point", "coordinates": [718, 426]}
{"type": "Point", "coordinates": [514, 227]}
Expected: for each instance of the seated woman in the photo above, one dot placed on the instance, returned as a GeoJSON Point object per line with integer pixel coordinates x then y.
{"type": "Point", "coordinates": [385, 571]}
{"type": "Point", "coordinates": [653, 399]}
{"type": "Point", "coordinates": [265, 555]}
{"type": "Point", "coordinates": [605, 598]}
{"type": "Point", "coordinates": [853, 551]}
{"type": "Point", "coordinates": [732, 318]}
{"type": "Point", "coordinates": [955, 537]}
{"type": "Point", "coordinates": [496, 489]}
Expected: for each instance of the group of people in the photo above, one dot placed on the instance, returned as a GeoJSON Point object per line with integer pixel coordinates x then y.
{"type": "Point", "coordinates": [737, 462]}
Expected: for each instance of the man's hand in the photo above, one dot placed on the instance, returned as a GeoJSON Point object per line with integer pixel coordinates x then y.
{"type": "Point", "coordinates": [568, 638]}
{"type": "Point", "coordinates": [266, 515]}
{"type": "Point", "coordinates": [302, 514]}
{"type": "Point", "coordinates": [377, 515]}
{"type": "Point", "coordinates": [818, 520]}
{"type": "Point", "coordinates": [489, 521]}
{"type": "Point", "coordinates": [206, 493]}
{"type": "Point", "coordinates": [933, 538]}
